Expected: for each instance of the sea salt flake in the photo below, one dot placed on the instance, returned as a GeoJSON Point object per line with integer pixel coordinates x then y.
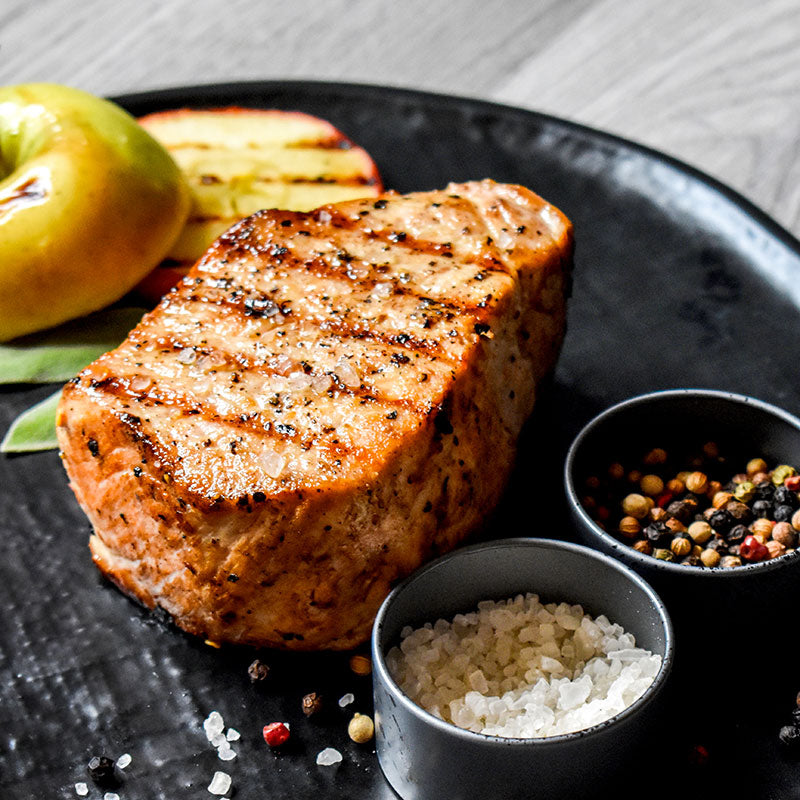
{"type": "Point", "coordinates": [225, 752]}
{"type": "Point", "coordinates": [346, 699]}
{"type": "Point", "coordinates": [81, 789]}
{"type": "Point", "coordinates": [110, 796]}
{"type": "Point", "coordinates": [233, 735]}
{"type": "Point", "coordinates": [217, 739]}
{"type": "Point", "coordinates": [124, 760]}
{"type": "Point", "coordinates": [220, 783]}
{"type": "Point", "coordinates": [213, 725]}
{"type": "Point", "coordinates": [328, 757]}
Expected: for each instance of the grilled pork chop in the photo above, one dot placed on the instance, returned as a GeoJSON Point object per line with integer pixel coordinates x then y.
{"type": "Point", "coordinates": [326, 401]}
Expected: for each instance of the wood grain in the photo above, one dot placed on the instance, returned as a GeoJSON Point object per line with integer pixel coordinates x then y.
{"type": "Point", "coordinates": [716, 84]}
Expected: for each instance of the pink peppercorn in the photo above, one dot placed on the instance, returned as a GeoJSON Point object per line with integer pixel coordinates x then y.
{"type": "Point", "coordinates": [753, 550]}
{"type": "Point", "coordinates": [275, 734]}
{"type": "Point", "coordinates": [792, 483]}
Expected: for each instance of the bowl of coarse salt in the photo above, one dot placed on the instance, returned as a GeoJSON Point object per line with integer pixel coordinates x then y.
{"type": "Point", "coordinates": [517, 668]}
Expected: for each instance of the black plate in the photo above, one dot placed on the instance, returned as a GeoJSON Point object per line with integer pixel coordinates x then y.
{"type": "Point", "coordinates": [678, 282]}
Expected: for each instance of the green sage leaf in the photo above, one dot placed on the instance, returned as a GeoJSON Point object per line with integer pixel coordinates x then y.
{"type": "Point", "coordinates": [56, 355]}
{"type": "Point", "coordinates": [34, 429]}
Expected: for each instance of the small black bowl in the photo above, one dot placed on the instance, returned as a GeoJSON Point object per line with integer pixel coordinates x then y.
{"type": "Point", "coordinates": [735, 618]}
{"type": "Point", "coordinates": [423, 756]}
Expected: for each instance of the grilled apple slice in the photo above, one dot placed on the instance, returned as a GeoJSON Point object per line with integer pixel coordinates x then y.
{"type": "Point", "coordinates": [238, 161]}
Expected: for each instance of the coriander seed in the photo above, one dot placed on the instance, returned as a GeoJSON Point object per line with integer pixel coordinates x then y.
{"type": "Point", "coordinates": [629, 527]}
{"type": "Point", "coordinates": [616, 471]}
{"type": "Point", "coordinates": [643, 546]}
{"type": "Point", "coordinates": [651, 485]}
{"type": "Point", "coordinates": [697, 483]}
{"type": "Point", "coordinates": [755, 465]}
{"type": "Point", "coordinates": [762, 528]}
{"type": "Point", "coordinates": [710, 558]}
{"type": "Point", "coordinates": [655, 456]}
{"type": "Point", "coordinates": [775, 549]}
{"type": "Point", "coordinates": [700, 531]}
{"type": "Point", "coordinates": [681, 546]}
{"type": "Point", "coordinates": [675, 486]}
{"type": "Point", "coordinates": [784, 533]}
{"type": "Point", "coordinates": [635, 505]}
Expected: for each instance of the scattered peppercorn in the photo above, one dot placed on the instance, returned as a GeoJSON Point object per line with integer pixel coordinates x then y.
{"type": "Point", "coordinates": [702, 515]}
{"type": "Point", "coordinates": [102, 771]}
{"type": "Point", "coordinates": [312, 704]}
{"type": "Point", "coordinates": [258, 671]}
{"type": "Point", "coordinates": [276, 734]}
{"type": "Point", "coordinates": [361, 728]}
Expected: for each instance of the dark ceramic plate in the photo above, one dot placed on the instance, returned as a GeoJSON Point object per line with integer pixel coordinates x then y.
{"type": "Point", "coordinates": [678, 282]}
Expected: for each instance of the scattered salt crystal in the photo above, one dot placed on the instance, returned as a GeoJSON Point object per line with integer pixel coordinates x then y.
{"type": "Point", "coordinates": [225, 752]}
{"type": "Point", "coordinates": [187, 356]}
{"type": "Point", "coordinates": [213, 725]}
{"type": "Point", "coordinates": [233, 735]}
{"type": "Point", "coordinates": [346, 699]}
{"type": "Point", "coordinates": [81, 789]}
{"type": "Point", "coordinates": [220, 783]}
{"type": "Point", "coordinates": [328, 757]}
{"type": "Point", "coordinates": [110, 796]}
{"type": "Point", "coordinates": [217, 739]}
{"type": "Point", "coordinates": [124, 760]}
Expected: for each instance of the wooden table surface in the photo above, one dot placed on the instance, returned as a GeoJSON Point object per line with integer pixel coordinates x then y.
{"type": "Point", "coordinates": [715, 83]}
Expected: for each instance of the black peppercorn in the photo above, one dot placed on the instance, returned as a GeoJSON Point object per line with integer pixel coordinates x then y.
{"type": "Point", "coordinates": [721, 521]}
{"type": "Point", "coordinates": [681, 511]}
{"type": "Point", "coordinates": [765, 490]}
{"type": "Point", "coordinates": [736, 534]}
{"type": "Point", "coordinates": [785, 497]}
{"type": "Point", "coordinates": [783, 513]}
{"type": "Point", "coordinates": [739, 511]}
{"type": "Point", "coordinates": [655, 532]}
{"type": "Point", "coordinates": [762, 509]}
{"type": "Point", "coordinates": [102, 771]}
{"type": "Point", "coordinates": [718, 544]}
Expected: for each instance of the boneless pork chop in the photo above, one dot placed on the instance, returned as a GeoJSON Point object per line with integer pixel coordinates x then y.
{"type": "Point", "coordinates": [326, 401]}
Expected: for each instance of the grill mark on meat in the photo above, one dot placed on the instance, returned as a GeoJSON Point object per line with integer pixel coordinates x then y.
{"type": "Point", "coordinates": [429, 347]}
{"type": "Point", "coordinates": [346, 330]}
{"type": "Point", "coordinates": [122, 386]}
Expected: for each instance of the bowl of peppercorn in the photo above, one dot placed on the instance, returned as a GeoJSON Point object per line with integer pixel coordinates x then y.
{"type": "Point", "coordinates": [699, 492]}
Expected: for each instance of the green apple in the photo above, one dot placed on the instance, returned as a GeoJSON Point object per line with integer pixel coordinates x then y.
{"type": "Point", "coordinates": [89, 204]}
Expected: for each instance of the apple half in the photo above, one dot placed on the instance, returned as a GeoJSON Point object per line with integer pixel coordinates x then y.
{"type": "Point", "coordinates": [89, 204]}
{"type": "Point", "coordinates": [238, 161]}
